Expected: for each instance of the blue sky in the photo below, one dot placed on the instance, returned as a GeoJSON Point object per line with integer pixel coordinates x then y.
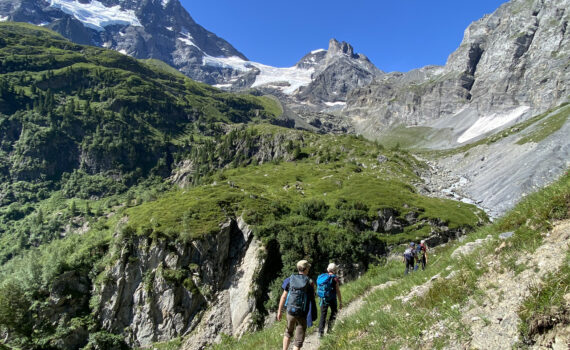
{"type": "Point", "coordinates": [397, 35]}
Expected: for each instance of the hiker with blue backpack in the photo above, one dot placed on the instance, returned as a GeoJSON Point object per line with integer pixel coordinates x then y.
{"type": "Point", "coordinates": [421, 254]}
{"type": "Point", "coordinates": [299, 299]}
{"type": "Point", "coordinates": [410, 257]}
{"type": "Point", "coordinates": [328, 290]}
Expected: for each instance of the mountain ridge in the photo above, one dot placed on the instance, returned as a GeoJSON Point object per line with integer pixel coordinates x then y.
{"type": "Point", "coordinates": [165, 30]}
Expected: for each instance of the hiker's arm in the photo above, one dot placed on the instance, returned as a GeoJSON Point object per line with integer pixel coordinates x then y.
{"type": "Point", "coordinates": [338, 295]}
{"type": "Point", "coordinates": [281, 304]}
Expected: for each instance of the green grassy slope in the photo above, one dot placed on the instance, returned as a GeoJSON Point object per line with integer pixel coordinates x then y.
{"type": "Point", "coordinates": [384, 322]}
{"type": "Point", "coordinates": [90, 136]}
{"type": "Point", "coordinates": [93, 122]}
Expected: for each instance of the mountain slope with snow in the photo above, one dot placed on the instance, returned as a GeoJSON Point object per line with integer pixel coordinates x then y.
{"type": "Point", "coordinates": [163, 29]}
{"type": "Point", "coordinates": [159, 29]}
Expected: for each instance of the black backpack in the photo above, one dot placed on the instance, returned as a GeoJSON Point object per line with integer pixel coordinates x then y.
{"type": "Point", "coordinates": [410, 254]}
{"type": "Point", "coordinates": [297, 299]}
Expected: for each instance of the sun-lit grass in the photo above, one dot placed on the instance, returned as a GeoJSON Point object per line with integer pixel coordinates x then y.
{"type": "Point", "coordinates": [254, 189]}
{"type": "Point", "coordinates": [387, 323]}
{"type": "Point", "coordinates": [547, 127]}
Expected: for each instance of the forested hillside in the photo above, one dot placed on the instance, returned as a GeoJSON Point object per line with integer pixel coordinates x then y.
{"type": "Point", "coordinates": [130, 194]}
{"type": "Point", "coordinates": [93, 122]}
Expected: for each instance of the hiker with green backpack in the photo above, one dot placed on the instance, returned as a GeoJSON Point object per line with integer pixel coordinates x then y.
{"type": "Point", "coordinates": [299, 299]}
{"type": "Point", "coordinates": [328, 290]}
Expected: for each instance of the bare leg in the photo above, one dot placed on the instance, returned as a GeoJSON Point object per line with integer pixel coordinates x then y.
{"type": "Point", "coordinates": [286, 341]}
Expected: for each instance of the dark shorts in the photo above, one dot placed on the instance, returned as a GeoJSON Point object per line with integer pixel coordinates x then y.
{"type": "Point", "coordinates": [297, 325]}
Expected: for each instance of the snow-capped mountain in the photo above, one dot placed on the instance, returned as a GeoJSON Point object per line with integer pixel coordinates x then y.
{"type": "Point", "coordinates": [321, 76]}
{"type": "Point", "coordinates": [164, 30]}
{"type": "Point", "coordinates": [160, 29]}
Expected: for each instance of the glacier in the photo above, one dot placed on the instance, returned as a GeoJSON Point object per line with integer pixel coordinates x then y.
{"type": "Point", "coordinates": [95, 15]}
{"type": "Point", "coordinates": [294, 77]}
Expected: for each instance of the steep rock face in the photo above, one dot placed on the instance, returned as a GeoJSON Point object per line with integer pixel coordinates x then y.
{"type": "Point", "coordinates": [163, 29]}
{"type": "Point", "coordinates": [411, 98]}
{"type": "Point", "coordinates": [258, 148]}
{"type": "Point", "coordinates": [157, 291]}
{"type": "Point", "coordinates": [232, 310]}
{"type": "Point", "coordinates": [518, 56]}
{"type": "Point", "coordinates": [337, 72]}
{"type": "Point", "coordinates": [143, 29]}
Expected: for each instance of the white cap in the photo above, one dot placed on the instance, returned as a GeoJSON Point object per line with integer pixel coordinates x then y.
{"type": "Point", "coordinates": [423, 241]}
{"type": "Point", "coordinates": [332, 267]}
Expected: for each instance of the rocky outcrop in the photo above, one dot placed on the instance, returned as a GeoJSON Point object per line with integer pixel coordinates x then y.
{"type": "Point", "coordinates": [231, 312]}
{"type": "Point", "coordinates": [337, 72]}
{"type": "Point", "coordinates": [143, 29]}
{"type": "Point", "coordinates": [156, 290]}
{"type": "Point", "coordinates": [244, 147]}
{"type": "Point", "coordinates": [515, 57]}
{"type": "Point", "coordinates": [411, 98]}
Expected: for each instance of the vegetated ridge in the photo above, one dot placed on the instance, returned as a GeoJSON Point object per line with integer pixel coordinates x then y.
{"type": "Point", "coordinates": [131, 195]}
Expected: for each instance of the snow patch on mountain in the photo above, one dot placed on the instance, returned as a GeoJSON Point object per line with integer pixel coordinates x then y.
{"type": "Point", "coordinates": [336, 104]}
{"type": "Point", "coordinates": [317, 51]}
{"type": "Point", "coordinates": [293, 76]}
{"type": "Point", "coordinates": [165, 3]}
{"type": "Point", "coordinates": [233, 62]}
{"type": "Point", "coordinates": [95, 15]}
{"type": "Point", "coordinates": [287, 80]}
{"type": "Point", "coordinates": [187, 39]}
{"type": "Point", "coordinates": [491, 122]}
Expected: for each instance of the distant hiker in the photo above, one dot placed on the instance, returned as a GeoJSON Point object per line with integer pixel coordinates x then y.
{"type": "Point", "coordinates": [421, 254]}
{"type": "Point", "coordinates": [410, 257]}
{"type": "Point", "coordinates": [328, 289]}
{"type": "Point", "coordinates": [299, 298]}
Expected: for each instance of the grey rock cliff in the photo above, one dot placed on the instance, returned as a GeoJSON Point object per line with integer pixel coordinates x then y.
{"type": "Point", "coordinates": [337, 72]}
{"type": "Point", "coordinates": [166, 32]}
{"type": "Point", "coordinates": [157, 291]}
{"type": "Point", "coordinates": [517, 56]}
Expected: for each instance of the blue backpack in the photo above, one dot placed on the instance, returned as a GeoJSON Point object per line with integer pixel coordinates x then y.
{"type": "Point", "coordinates": [325, 288]}
{"type": "Point", "coordinates": [297, 300]}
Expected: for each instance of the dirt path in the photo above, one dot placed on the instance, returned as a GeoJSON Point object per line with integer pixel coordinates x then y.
{"type": "Point", "coordinates": [312, 341]}
{"type": "Point", "coordinates": [493, 323]}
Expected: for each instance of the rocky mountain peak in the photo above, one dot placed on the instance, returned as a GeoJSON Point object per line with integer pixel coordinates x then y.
{"type": "Point", "coordinates": [160, 29]}
{"type": "Point", "coordinates": [343, 49]}
{"type": "Point", "coordinates": [338, 72]}
{"type": "Point", "coordinates": [340, 48]}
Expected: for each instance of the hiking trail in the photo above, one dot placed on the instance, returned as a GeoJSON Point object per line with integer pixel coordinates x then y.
{"type": "Point", "coordinates": [312, 341]}
{"type": "Point", "coordinates": [493, 323]}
